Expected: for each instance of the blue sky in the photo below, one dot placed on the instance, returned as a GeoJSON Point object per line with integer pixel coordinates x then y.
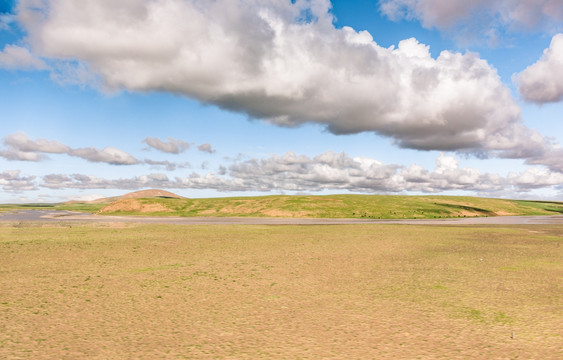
{"type": "Point", "coordinates": [244, 97]}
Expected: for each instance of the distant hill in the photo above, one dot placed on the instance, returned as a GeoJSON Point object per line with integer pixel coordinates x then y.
{"type": "Point", "coordinates": [164, 203]}
{"type": "Point", "coordinates": [142, 194]}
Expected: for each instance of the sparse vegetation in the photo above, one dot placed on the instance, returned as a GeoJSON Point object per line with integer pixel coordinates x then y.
{"type": "Point", "coordinates": [14, 207]}
{"type": "Point", "coordinates": [350, 291]}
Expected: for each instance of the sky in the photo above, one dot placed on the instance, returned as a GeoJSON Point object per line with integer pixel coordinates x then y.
{"type": "Point", "coordinates": [263, 97]}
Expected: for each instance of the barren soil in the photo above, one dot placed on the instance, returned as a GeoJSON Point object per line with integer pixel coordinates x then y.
{"type": "Point", "coordinates": [134, 205]}
{"type": "Point", "coordinates": [125, 290]}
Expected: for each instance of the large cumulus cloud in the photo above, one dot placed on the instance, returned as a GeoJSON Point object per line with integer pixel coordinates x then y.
{"type": "Point", "coordinates": [284, 62]}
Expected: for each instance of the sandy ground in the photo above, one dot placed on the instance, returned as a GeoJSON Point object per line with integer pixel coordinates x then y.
{"type": "Point", "coordinates": [54, 215]}
{"type": "Point", "coordinates": [144, 291]}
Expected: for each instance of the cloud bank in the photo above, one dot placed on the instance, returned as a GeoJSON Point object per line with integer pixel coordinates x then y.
{"type": "Point", "coordinates": [333, 171]}
{"type": "Point", "coordinates": [542, 82]}
{"type": "Point", "coordinates": [299, 173]}
{"type": "Point", "coordinates": [286, 63]}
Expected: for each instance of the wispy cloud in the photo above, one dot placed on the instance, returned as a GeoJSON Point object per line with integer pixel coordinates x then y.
{"type": "Point", "coordinates": [15, 57]}
{"type": "Point", "coordinates": [171, 145]}
{"type": "Point", "coordinates": [5, 20]}
{"type": "Point", "coordinates": [264, 60]}
{"type": "Point", "coordinates": [170, 166]}
{"type": "Point", "coordinates": [542, 82]}
{"type": "Point", "coordinates": [21, 147]}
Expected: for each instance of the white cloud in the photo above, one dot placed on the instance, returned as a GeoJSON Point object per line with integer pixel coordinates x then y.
{"type": "Point", "coordinates": [206, 148]}
{"type": "Point", "coordinates": [534, 178]}
{"type": "Point", "coordinates": [268, 60]}
{"type": "Point", "coordinates": [173, 146]}
{"type": "Point", "coordinates": [15, 57]}
{"type": "Point", "coordinates": [542, 82]}
{"type": "Point", "coordinates": [481, 16]}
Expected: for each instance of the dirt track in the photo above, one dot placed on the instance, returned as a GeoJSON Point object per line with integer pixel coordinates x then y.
{"type": "Point", "coordinates": [66, 216]}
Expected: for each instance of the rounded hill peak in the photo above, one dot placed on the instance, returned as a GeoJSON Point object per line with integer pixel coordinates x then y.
{"type": "Point", "coordinates": [152, 193]}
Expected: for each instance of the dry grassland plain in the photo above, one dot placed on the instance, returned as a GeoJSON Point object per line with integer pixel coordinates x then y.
{"type": "Point", "coordinates": [287, 292]}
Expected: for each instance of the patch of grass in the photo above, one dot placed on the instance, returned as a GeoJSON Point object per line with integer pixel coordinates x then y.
{"type": "Point", "coordinates": [473, 314]}
{"type": "Point", "coordinates": [542, 206]}
{"type": "Point", "coordinates": [502, 318]}
{"type": "Point", "coordinates": [81, 207]}
{"type": "Point", "coordinates": [494, 317]}
{"type": "Point", "coordinates": [158, 268]}
{"type": "Point", "coordinates": [440, 287]}
{"type": "Point", "coordinates": [15, 207]}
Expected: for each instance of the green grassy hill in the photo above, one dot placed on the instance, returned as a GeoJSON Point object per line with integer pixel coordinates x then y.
{"type": "Point", "coordinates": [330, 206]}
